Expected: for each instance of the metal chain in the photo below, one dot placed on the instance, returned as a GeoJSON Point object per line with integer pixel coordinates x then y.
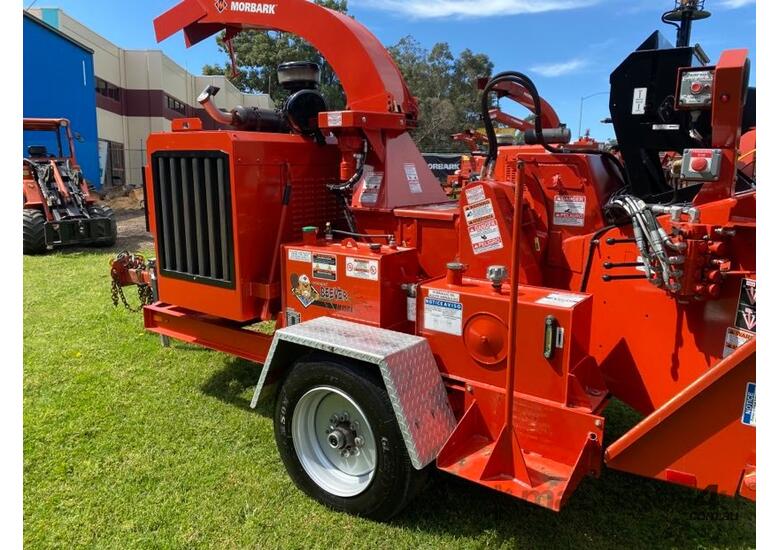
{"type": "Point", "coordinates": [145, 292]}
{"type": "Point", "coordinates": [145, 297]}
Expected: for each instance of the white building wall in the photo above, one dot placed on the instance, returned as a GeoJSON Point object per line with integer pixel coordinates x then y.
{"type": "Point", "coordinates": [148, 70]}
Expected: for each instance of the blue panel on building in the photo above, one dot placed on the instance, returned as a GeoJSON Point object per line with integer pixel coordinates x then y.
{"type": "Point", "coordinates": [59, 82]}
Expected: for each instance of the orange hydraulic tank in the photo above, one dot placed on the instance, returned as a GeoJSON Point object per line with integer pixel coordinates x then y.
{"type": "Point", "coordinates": [359, 282]}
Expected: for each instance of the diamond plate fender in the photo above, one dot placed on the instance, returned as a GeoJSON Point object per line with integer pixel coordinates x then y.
{"type": "Point", "coordinates": [408, 369]}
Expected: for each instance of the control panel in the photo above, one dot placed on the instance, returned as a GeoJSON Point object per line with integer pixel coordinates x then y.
{"type": "Point", "coordinates": [701, 164]}
{"type": "Point", "coordinates": [695, 87]}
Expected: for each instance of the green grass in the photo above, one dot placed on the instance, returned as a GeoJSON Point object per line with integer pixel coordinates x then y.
{"type": "Point", "coordinates": [130, 445]}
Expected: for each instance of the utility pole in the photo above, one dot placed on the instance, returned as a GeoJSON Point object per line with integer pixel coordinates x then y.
{"type": "Point", "coordinates": [582, 104]}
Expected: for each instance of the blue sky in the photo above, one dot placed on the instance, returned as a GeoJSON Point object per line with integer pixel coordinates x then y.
{"type": "Point", "coordinates": [569, 47]}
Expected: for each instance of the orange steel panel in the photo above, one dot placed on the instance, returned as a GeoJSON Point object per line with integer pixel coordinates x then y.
{"type": "Point", "coordinates": [348, 280]}
{"type": "Point", "coordinates": [206, 331]}
{"type": "Point", "coordinates": [622, 336]}
{"type": "Point", "coordinates": [698, 436]}
{"type": "Point", "coordinates": [257, 177]}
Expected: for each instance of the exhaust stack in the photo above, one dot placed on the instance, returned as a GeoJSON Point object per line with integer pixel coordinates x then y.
{"type": "Point", "coordinates": [214, 112]}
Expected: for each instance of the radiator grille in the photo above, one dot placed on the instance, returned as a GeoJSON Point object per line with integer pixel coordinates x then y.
{"type": "Point", "coordinates": [193, 213]}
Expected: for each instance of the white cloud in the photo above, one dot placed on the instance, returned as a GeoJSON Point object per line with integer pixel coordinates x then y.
{"type": "Point", "coordinates": [474, 8]}
{"type": "Point", "coordinates": [733, 4]}
{"type": "Point", "coordinates": [560, 69]}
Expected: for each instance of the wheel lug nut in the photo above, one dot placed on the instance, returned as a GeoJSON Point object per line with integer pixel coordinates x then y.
{"type": "Point", "coordinates": [345, 453]}
{"type": "Point", "coordinates": [359, 441]}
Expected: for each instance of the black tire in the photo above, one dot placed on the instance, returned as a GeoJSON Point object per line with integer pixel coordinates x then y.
{"type": "Point", "coordinates": [103, 211]}
{"type": "Point", "coordinates": [395, 481]}
{"type": "Point", "coordinates": [33, 232]}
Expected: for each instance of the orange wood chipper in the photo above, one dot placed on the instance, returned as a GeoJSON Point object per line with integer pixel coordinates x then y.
{"type": "Point", "coordinates": [483, 336]}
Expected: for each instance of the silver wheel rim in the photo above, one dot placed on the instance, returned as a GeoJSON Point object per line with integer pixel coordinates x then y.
{"type": "Point", "coordinates": [334, 441]}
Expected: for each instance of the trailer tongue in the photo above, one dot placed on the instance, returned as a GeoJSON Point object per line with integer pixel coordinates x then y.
{"type": "Point", "coordinates": [485, 335]}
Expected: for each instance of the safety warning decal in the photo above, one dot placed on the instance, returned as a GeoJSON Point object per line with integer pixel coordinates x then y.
{"type": "Point", "coordinates": [746, 309]}
{"type": "Point", "coordinates": [569, 210]}
{"type": "Point", "coordinates": [485, 236]}
{"type": "Point", "coordinates": [372, 183]}
{"type": "Point", "coordinates": [299, 256]}
{"type": "Point", "coordinates": [479, 211]}
{"type": "Point", "coordinates": [749, 408]}
{"type": "Point", "coordinates": [412, 178]}
{"type": "Point", "coordinates": [444, 315]}
{"type": "Point", "coordinates": [560, 299]}
{"type": "Point", "coordinates": [483, 228]}
{"type": "Point", "coordinates": [358, 268]}
{"type": "Point", "coordinates": [475, 194]}
{"type": "Point", "coordinates": [735, 339]}
{"type": "Point", "coordinates": [323, 266]}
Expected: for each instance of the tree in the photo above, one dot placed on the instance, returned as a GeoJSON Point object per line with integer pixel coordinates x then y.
{"type": "Point", "coordinates": [445, 85]}
{"type": "Point", "coordinates": [259, 53]}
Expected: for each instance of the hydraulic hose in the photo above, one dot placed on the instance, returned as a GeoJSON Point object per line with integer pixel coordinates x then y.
{"type": "Point", "coordinates": [527, 83]}
{"type": "Point", "coordinates": [341, 189]}
{"type": "Point", "coordinates": [351, 182]}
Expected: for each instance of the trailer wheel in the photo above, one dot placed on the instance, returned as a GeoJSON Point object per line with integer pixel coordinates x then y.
{"type": "Point", "coordinates": [33, 231]}
{"type": "Point", "coordinates": [339, 440]}
{"type": "Point", "coordinates": [103, 211]}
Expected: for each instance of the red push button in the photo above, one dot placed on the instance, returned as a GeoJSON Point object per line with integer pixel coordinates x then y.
{"type": "Point", "coordinates": [696, 88]}
{"type": "Point", "coordinates": [699, 164]}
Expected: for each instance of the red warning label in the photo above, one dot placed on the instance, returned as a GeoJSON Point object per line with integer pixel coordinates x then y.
{"type": "Point", "coordinates": [569, 210]}
{"type": "Point", "coordinates": [483, 228]}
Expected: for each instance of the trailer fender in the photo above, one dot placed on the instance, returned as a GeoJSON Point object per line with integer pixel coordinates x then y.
{"type": "Point", "coordinates": [408, 369]}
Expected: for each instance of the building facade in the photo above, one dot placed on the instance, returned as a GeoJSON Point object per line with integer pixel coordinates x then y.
{"type": "Point", "coordinates": [61, 86]}
{"type": "Point", "coordinates": [137, 92]}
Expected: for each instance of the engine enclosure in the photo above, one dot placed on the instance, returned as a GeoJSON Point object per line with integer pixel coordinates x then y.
{"type": "Point", "coordinates": [195, 232]}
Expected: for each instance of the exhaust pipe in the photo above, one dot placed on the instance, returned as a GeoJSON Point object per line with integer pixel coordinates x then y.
{"type": "Point", "coordinates": [250, 119]}
{"type": "Point", "coordinates": [220, 116]}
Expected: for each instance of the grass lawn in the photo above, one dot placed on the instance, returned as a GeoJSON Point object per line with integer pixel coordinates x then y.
{"type": "Point", "coordinates": [130, 445]}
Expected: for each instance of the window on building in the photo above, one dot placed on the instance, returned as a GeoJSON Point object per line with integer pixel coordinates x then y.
{"type": "Point", "coordinates": [176, 105]}
{"type": "Point", "coordinates": [106, 89]}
